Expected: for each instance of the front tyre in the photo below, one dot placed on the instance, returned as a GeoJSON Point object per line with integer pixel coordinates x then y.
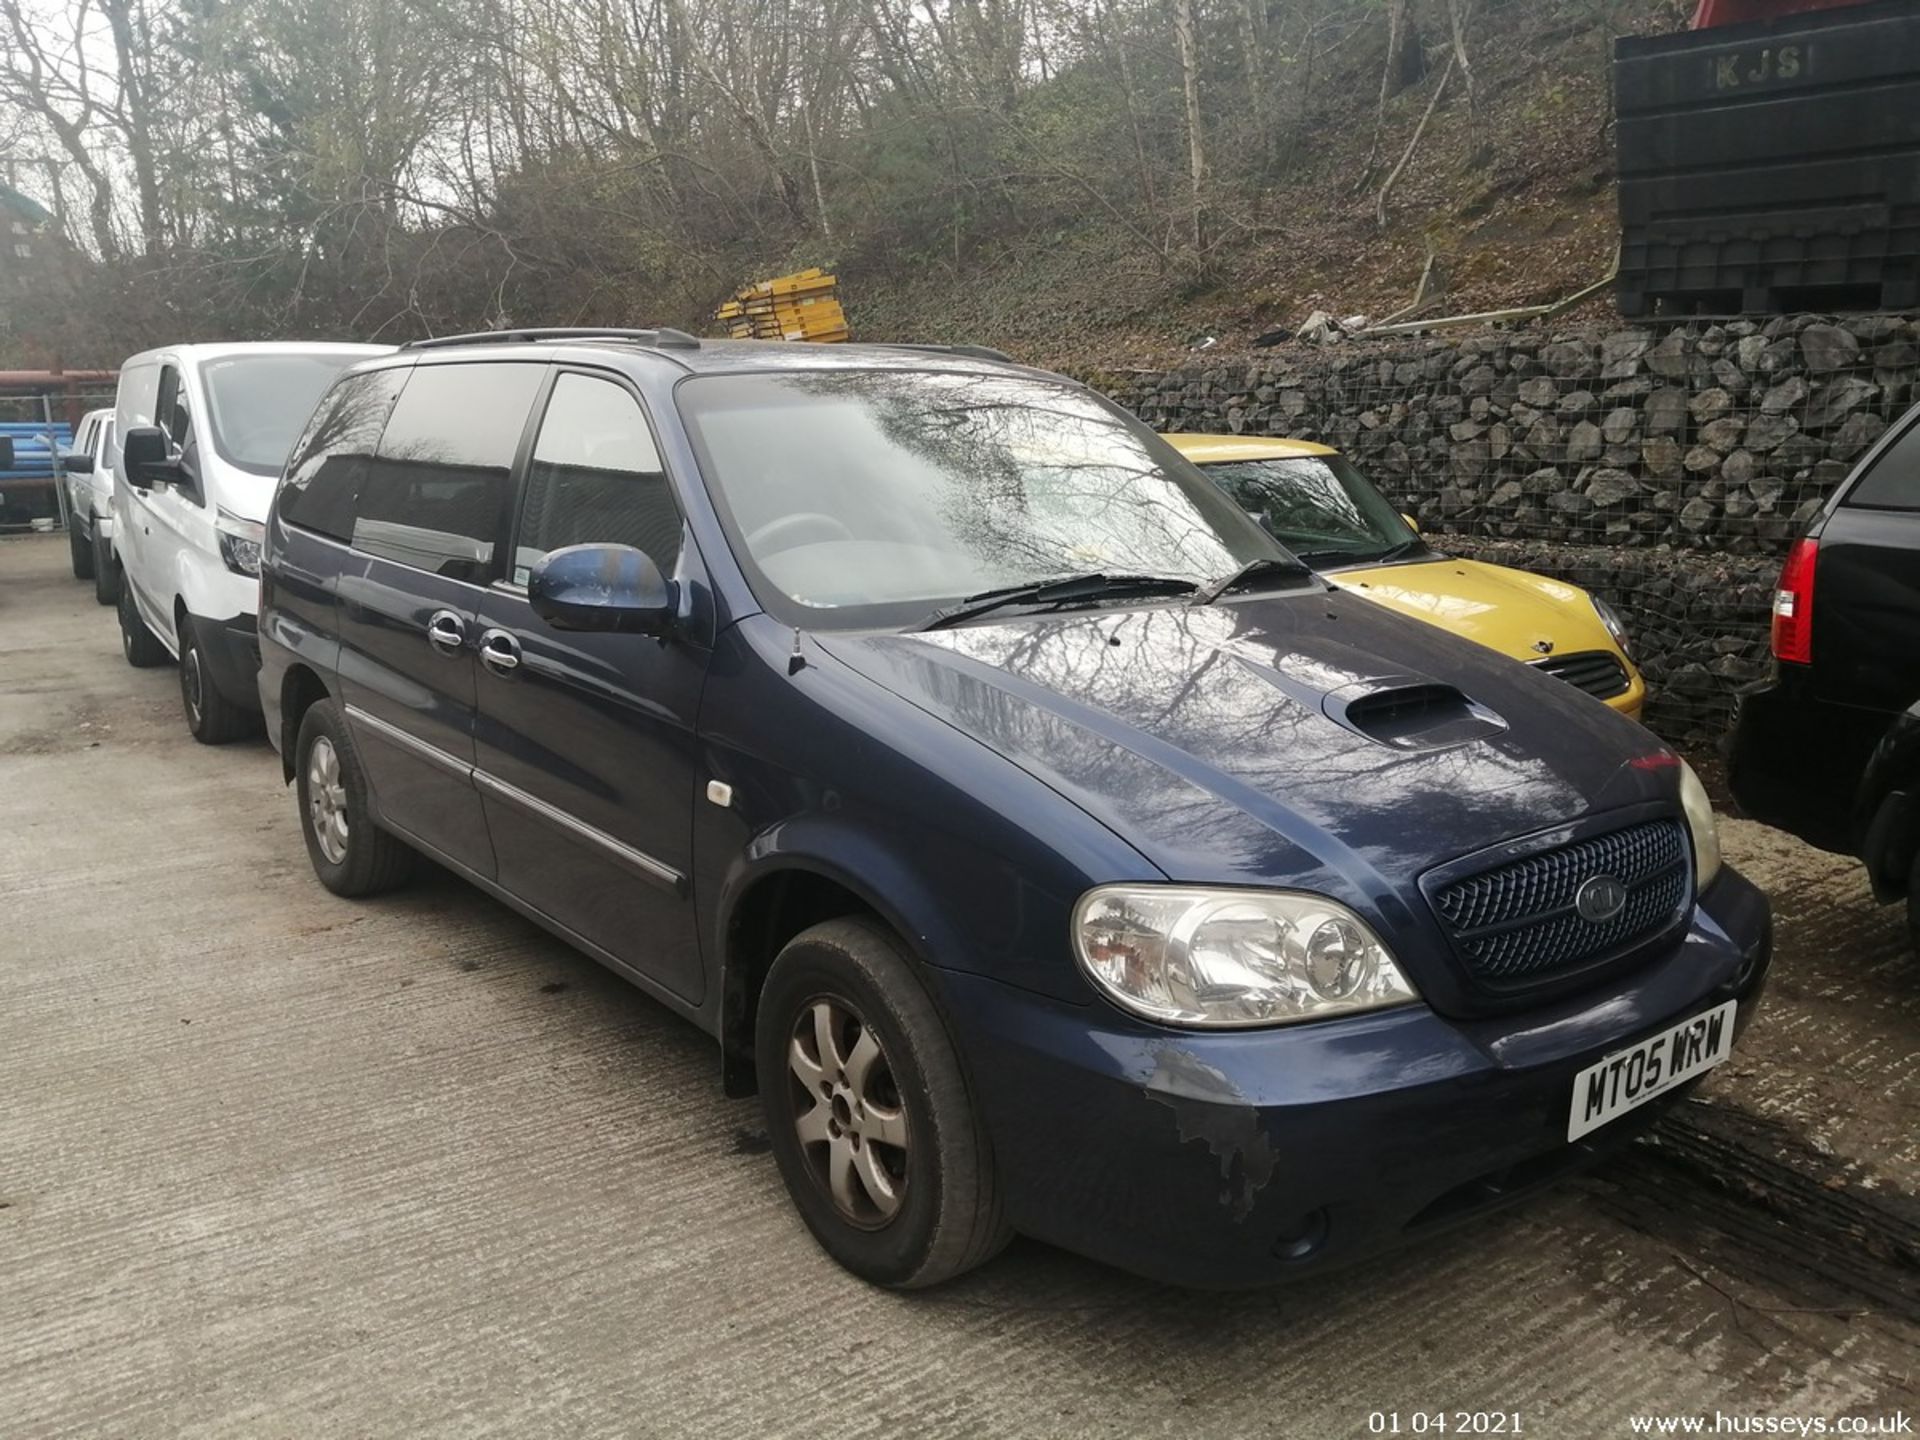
{"type": "Point", "coordinates": [1913, 905]}
{"type": "Point", "coordinates": [351, 855]}
{"type": "Point", "coordinates": [79, 551]}
{"type": "Point", "coordinates": [106, 573]}
{"type": "Point", "coordinates": [212, 718]}
{"type": "Point", "coordinates": [868, 1110]}
{"type": "Point", "coordinates": [139, 644]}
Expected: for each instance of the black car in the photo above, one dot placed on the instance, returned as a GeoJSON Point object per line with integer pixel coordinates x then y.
{"type": "Point", "coordinates": [1049, 847]}
{"type": "Point", "coordinates": [1829, 746]}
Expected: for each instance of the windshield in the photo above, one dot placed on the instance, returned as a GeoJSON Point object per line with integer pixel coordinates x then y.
{"type": "Point", "coordinates": [874, 497]}
{"type": "Point", "coordinates": [1318, 506]}
{"type": "Point", "coordinates": [257, 405]}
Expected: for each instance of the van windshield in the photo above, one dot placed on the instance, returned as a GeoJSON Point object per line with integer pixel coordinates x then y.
{"type": "Point", "coordinates": [872, 497]}
{"type": "Point", "coordinates": [258, 404]}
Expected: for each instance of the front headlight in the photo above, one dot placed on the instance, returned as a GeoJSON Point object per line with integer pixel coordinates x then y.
{"type": "Point", "coordinates": [1706, 829]}
{"type": "Point", "coordinates": [1616, 627]}
{"type": "Point", "coordinates": [1232, 958]}
{"type": "Point", "coordinates": [240, 542]}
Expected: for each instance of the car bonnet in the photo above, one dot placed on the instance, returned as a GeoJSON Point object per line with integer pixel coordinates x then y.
{"type": "Point", "coordinates": [1219, 741]}
{"type": "Point", "coordinates": [1521, 615]}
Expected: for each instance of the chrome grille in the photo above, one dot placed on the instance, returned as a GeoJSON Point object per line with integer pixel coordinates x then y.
{"type": "Point", "coordinates": [1598, 672]}
{"type": "Point", "coordinates": [1516, 924]}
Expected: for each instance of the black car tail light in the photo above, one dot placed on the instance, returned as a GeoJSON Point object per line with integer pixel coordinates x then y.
{"type": "Point", "coordinates": [1793, 604]}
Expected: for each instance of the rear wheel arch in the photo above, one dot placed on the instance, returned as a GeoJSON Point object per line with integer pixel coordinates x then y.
{"type": "Point", "coordinates": [301, 688]}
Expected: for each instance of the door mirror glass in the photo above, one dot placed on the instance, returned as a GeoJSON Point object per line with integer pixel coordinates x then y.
{"type": "Point", "coordinates": [605, 588]}
{"type": "Point", "coordinates": [77, 462]}
{"type": "Point", "coordinates": [144, 459]}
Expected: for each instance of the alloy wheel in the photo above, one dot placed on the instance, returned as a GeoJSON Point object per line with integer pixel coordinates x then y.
{"type": "Point", "coordinates": [847, 1112]}
{"type": "Point", "coordinates": [191, 682]}
{"type": "Point", "coordinates": [327, 800]}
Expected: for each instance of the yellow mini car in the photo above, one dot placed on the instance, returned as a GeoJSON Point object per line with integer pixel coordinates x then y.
{"type": "Point", "coordinates": [1328, 513]}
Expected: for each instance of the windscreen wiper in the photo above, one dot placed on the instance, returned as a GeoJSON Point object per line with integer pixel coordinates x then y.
{"type": "Point", "coordinates": [1063, 591]}
{"type": "Point", "coordinates": [1400, 551]}
{"type": "Point", "coordinates": [1246, 574]}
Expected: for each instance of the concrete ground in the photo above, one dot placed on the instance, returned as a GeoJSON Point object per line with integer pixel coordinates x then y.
{"type": "Point", "coordinates": [274, 1163]}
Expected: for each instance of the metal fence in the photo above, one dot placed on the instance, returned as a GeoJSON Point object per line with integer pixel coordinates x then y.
{"type": "Point", "coordinates": [41, 427]}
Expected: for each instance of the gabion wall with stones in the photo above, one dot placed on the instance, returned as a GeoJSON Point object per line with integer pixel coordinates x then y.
{"type": "Point", "coordinates": [1664, 467]}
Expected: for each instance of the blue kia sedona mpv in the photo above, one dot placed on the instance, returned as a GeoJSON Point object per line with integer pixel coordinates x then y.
{"type": "Point", "coordinates": [1049, 849]}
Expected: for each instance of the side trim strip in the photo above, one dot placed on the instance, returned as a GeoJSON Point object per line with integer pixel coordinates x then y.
{"type": "Point", "coordinates": [642, 864]}
{"type": "Point", "coordinates": [413, 745]}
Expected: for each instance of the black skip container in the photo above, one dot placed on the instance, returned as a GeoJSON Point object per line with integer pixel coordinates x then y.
{"type": "Point", "coordinates": [1772, 166]}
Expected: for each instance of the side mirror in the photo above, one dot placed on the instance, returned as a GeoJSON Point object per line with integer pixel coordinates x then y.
{"type": "Point", "coordinates": [1412, 524]}
{"type": "Point", "coordinates": [609, 589]}
{"type": "Point", "coordinates": [77, 462]}
{"type": "Point", "coordinates": [144, 459]}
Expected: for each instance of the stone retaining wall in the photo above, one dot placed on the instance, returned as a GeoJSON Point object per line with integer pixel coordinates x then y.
{"type": "Point", "coordinates": [1700, 623]}
{"type": "Point", "coordinates": [1666, 467]}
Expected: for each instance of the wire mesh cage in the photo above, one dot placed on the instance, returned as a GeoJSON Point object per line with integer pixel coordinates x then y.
{"type": "Point", "coordinates": [1666, 468]}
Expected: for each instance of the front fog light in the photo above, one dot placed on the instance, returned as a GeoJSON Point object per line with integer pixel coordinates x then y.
{"type": "Point", "coordinates": [1232, 958]}
{"type": "Point", "coordinates": [1704, 827]}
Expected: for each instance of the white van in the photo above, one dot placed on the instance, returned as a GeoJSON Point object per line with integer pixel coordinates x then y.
{"type": "Point", "coordinates": [88, 471]}
{"type": "Point", "coordinates": [200, 435]}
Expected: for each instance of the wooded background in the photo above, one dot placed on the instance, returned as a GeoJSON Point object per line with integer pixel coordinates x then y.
{"type": "Point", "coordinates": [382, 169]}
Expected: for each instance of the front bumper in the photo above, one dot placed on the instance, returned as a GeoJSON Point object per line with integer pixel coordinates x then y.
{"type": "Point", "coordinates": [231, 648]}
{"type": "Point", "coordinates": [1633, 700]}
{"type": "Point", "coordinates": [1235, 1159]}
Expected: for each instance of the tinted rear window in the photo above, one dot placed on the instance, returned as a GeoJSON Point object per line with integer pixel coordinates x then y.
{"type": "Point", "coordinates": [436, 495]}
{"type": "Point", "coordinates": [1894, 481]}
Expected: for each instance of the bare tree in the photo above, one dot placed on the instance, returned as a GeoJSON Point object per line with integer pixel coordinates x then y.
{"type": "Point", "coordinates": [1459, 16]}
{"type": "Point", "coordinates": [1196, 145]}
{"type": "Point", "coordinates": [48, 77]}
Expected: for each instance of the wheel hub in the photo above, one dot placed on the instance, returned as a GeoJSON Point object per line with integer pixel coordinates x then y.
{"type": "Point", "coordinates": [327, 800]}
{"type": "Point", "coordinates": [847, 1112]}
{"type": "Point", "coordinates": [190, 674]}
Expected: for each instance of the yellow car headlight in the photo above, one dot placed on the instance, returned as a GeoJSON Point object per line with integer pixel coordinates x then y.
{"type": "Point", "coordinates": [1616, 627]}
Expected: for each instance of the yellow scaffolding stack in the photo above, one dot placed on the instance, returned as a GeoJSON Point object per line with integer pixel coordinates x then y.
{"type": "Point", "coordinates": [801, 306]}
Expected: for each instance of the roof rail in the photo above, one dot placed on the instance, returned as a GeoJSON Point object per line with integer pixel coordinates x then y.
{"type": "Point", "coordinates": [972, 352]}
{"type": "Point", "coordinates": [661, 337]}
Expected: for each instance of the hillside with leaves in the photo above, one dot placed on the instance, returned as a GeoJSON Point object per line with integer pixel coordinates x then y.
{"type": "Point", "coordinates": [1079, 181]}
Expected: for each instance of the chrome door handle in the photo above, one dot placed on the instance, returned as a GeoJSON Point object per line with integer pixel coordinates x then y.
{"type": "Point", "coordinates": [500, 652]}
{"type": "Point", "coordinates": [446, 632]}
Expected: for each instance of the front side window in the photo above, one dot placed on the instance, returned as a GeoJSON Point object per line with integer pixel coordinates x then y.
{"type": "Point", "coordinates": [870, 497]}
{"type": "Point", "coordinates": [172, 414]}
{"type": "Point", "coordinates": [1894, 481]}
{"type": "Point", "coordinates": [595, 478]}
{"type": "Point", "coordinates": [330, 460]}
{"type": "Point", "coordinates": [435, 497]}
{"type": "Point", "coordinates": [1319, 506]}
